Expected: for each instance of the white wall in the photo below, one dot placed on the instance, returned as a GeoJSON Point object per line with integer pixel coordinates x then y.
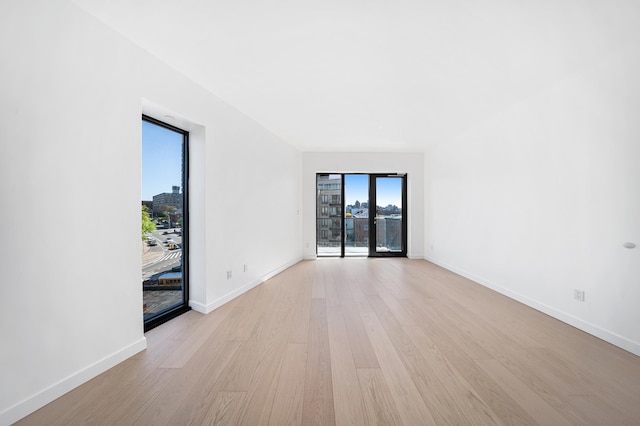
{"type": "Point", "coordinates": [367, 162]}
{"type": "Point", "coordinates": [539, 200]}
{"type": "Point", "coordinates": [71, 95]}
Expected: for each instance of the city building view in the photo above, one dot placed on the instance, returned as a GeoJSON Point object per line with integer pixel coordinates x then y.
{"type": "Point", "coordinates": [162, 252]}
{"type": "Point", "coordinates": [332, 212]}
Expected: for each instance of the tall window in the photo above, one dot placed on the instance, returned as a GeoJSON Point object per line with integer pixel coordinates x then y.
{"type": "Point", "coordinates": [165, 219]}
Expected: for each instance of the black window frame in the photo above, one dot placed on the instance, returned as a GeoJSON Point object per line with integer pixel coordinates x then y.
{"type": "Point", "coordinates": [372, 217]}
{"type": "Point", "coordinates": [173, 311]}
{"type": "Point", "coordinates": [372, 221]}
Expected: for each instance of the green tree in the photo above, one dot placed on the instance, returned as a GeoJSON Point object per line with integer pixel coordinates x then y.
{"type": "Point", "coordinates": [167, 211]}
{"type": "Point", "coordinates": [147, 223]}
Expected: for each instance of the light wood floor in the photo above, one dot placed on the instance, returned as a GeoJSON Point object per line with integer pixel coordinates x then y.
{"type": "Point", "coordinates": [363, 341]}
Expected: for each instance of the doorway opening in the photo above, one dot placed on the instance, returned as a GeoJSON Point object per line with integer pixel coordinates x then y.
{"type": "Point", "coordinates": [361, 214]}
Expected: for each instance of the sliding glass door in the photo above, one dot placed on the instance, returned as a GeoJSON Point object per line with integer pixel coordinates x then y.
{"type": "Point", "coordinates": [360, 214]}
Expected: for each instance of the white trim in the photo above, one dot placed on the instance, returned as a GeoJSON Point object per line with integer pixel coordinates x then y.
{"type": "Point", "coordinates": [599, 332]}
{"type": "Point", "coordinates": [210, 307]}
{"type": "Point", "coordinates": [45, 396]}
{"type": "Point", "coordinates": [198, 307]}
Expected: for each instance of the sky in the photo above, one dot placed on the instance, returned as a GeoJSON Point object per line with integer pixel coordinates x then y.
{"type": "Point", "coordinates": [356, 187]}
{"type": "Point", "coordinates": [161, 160]}
{"type": "Point", "coordinates": [389, 190]}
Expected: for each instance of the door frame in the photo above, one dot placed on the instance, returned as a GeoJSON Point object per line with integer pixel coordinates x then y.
{"type": "Point", "coordinates": [373, 231]}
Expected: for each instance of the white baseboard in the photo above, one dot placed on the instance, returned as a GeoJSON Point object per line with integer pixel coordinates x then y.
{"type": "Point", "coordinates": [594, 330]}
{"type": "Point", "coordinates": [56, 390]}
{"type": "Point", "coordinates": [210, 307]}
{"type": "Point", "coordinates": [198, 307]}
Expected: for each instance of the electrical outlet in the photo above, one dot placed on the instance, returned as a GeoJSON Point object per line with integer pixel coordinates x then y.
{"type": "Point", "coordinates": [578, 294]}
{"type": "Point", "coordinates": [228, 275]}
{"type": "Point", "coordinates": [245, 267]}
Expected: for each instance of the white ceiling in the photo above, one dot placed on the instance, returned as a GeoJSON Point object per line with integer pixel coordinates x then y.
{"type": "Point", "coordinates": [373, 75]}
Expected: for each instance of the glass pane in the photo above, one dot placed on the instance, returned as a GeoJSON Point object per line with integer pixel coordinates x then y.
{"type": "Point", "coordinates": [356, 194]}
{"type": "Point", "coordinates": [162, 209]}
{"type": "Point", "coordinates": [389, 214]}
{"type": "Point", "coordinates": [329, 215]}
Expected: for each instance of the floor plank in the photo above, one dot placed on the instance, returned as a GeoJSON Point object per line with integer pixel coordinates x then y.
{"type": "Point", "coordinates": [348, 403]}
{"type": "Point", "coordinates": [225, 409]}
{"type": "Point", "coordinates": [318, 407]}
{"type": "Point", "coordinates": [379, 405]}
{"type": "Point", "coordinates": [287, 403]}
{"type": "Point", "coordinates": [410, 405]}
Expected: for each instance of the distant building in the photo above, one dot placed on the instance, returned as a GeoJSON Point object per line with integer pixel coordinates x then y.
{"type": "Point", "coordinates": [389, 233]}
{"type": "Point", "coordinates": [163, 202]}
{"type": "Point", "coordinates": [170, 278]}
{"type": "Point", "coordinates": [357, 228]}
{"type": "Point", "coordinates": [361, 234]}
{"type": "Point", "coordinates": [329, 211]}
